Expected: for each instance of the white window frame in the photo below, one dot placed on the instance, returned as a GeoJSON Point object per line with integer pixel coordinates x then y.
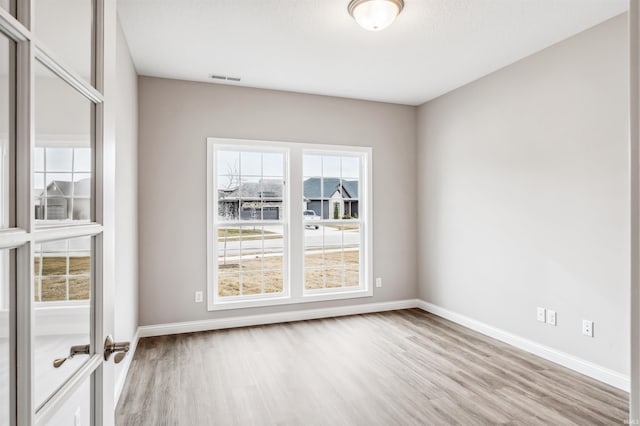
{"type": "Point", "coordinates": [293, 222]}
{"type": "Point", "coordinates": [213, 225]}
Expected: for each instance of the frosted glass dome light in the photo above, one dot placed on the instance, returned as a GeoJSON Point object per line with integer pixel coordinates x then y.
{"type": "Point", "coordinates": [375, 15]}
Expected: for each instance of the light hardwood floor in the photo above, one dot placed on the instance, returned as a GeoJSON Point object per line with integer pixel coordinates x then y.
{"type": "Point", "coordinates": [395, 368]}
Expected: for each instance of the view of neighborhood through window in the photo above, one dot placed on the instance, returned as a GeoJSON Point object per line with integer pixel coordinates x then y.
{"type": "Point", "coordinates": [272, 242]}
{"type": "Point", "coordinates": [62, 270]}
{"type": "Point", "coordinates": [62, 183]}
{"type": "Point", "coordinates": [332, 236]}
{"type": "Point", "coordinates": [250, 232]}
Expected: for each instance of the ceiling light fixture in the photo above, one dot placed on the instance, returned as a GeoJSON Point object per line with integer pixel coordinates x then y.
{"type": "Point", "coordinates": [375, 15]}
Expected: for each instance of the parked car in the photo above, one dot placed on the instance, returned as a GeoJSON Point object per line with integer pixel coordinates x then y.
{"type": "Point", "coordinates": [310, 215]}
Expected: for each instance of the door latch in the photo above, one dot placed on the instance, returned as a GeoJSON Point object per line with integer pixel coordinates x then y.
{"type": "Point", "coordinates": [73, 351]}
{"type": "Point", "coordinates": [111, 347]}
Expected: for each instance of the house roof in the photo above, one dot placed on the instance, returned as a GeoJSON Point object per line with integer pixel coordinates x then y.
{"type": "Point", "coordinates": [63, 188]}
{"type": "Point", "coordinates": [326, 187]}
{"type": "Point", "coordinates": [314, 188]}
{"type": "Point", "coordinates": [265, 188]}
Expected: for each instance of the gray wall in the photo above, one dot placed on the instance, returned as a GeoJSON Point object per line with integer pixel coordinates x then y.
{"type": "Point", "coordinates": [523, 196]}
{"type": "Point", "coordinates": [176, 117]}
{"type": "Point", "coordinates": [126, 218]}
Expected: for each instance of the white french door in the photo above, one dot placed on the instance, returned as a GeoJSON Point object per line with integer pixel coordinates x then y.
{"type": "Point", "coordinates": [56, 211]}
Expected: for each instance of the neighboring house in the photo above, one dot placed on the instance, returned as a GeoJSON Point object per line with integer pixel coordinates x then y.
{"type": "Point", "coordinates": [61, 200]}
{"type": "Point", "coordinates": [250, 200]}
{"type": "Point", "coordinates": [322, 195]}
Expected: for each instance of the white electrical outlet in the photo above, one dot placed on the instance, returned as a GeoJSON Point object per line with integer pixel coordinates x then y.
{"type": "Point", "coordinates": [551, 317]}
{"type": "Point", "coordinates": [542, 314]}
{"type": "Point", "coordinates": [587, 328]}
{"type": "Point", "coordinates": [198, 296]}
{"type": "Point", "coordinates": [378, 282]}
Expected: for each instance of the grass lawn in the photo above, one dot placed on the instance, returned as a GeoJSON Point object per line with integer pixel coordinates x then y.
{"type": "Point", "coordinates": [54, 278]}
{"type": "Point", "coordinates": [247, 234]}
{"type": "Point", "coordinates": [322, 270]}
{"type": "Point", "coordinates": [350, 227]}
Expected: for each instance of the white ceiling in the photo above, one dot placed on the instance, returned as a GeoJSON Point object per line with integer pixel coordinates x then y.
{"type": "Point", "coordinates": [314, 46]}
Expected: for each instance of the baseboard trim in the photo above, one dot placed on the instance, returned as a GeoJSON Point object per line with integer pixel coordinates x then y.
{"type": "Point", "coordinates": [580, 365]}
{"type": "Point", "coordinates": [572, 362]}
{"type": "Point", "coordinates": [126, 363]}
{"type": "Point", "coordinates": [273, 318]}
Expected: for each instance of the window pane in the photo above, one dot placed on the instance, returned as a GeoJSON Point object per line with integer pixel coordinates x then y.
{"type": "Point", "coordinates": [63, 153]}
{"type": "Point", "coordinates": [7, 99]}
{"type": "Point", "coordinates": [352, 276]}
{"type": "Point", "coordinates": [228, 163]}
{"type": "Point", "coordinates": [228, 285]}
{"type": "Point", "coordinates": [313, 279]}
{"type": "Point", "coordinates": [6, 282]}
{"type": "Point", "coordinates": [251, 283]}
{"type": "Point", "coordinates": [82, 160]}
{"type": "Point", "coordinates": [332, 186]}
{"type": "Point", "coordinates": [333, 278]}
{"type": "Point", "coordinates": [62, 271]}
{"type": "Point", "coordinates": [59, 159]}
{"type": "Point", "coordinates": [331, 250]}
{"type": "Point", "coordinates": [272, 165]}
{"type": "Point", "coordinates": [330, 166]}
{"type": "Point", "coordinates": [38, 159]}
{"type": "Point", "coordinates": [250, 260]}
{"type": "Point", "coordinates": [250, 186]}
{"type": "Point", "coordinates": [350, 168]}
{"type": "Point", "coordinates": [312, 165]}
{"type": "Point", "coordinates": [66, 27]}
{"type": "Point", "coordinates": [251, 163]}
{"type": "Point", "coordinates": [273, 281]}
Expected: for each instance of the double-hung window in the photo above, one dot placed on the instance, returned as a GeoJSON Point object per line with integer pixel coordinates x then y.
{"type": "Point", "coordinates": [288, 223]}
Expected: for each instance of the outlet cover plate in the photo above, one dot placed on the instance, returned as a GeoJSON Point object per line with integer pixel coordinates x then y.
{"type": "Point", "coordinates": [551, 317]}
{"type": "Point", "coordinates": [542, 314]}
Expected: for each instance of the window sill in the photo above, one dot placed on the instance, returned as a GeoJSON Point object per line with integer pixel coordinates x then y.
{"type": "Point", "coordinates": [288, 300]}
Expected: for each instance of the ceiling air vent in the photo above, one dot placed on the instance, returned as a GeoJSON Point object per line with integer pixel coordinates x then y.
{"type": "Point", "coordinates": [224, 77]}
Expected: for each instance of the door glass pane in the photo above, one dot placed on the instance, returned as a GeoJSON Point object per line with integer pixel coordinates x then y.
{"type": "Point", "coordinates": [62, 319]}
{"type": "Point", "coordinates": [6, 280]}
{"type": "Point", "coordinates": [76, 410]}
{"type": "Point", "coordinates": [63, 156]}
{"type": "Point", "coordinates": [66, 28]}
{"type": "Point", "coordinates": [7, 86]}
{"type": "Point", "coordinates": [9, 6]}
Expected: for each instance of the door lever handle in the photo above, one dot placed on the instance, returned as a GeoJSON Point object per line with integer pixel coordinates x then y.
{"type": "Point", "coordinates": [111, 347]}
{"type": "Point", "coordinates": [73, 351]}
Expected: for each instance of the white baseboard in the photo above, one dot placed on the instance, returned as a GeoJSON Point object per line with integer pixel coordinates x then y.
{"type": "Point", "coordinates": [126, 363]}
{"type": "Point", "coordinates": [249, 320]}
{"type": "Point", "coordinates": [582, 366]}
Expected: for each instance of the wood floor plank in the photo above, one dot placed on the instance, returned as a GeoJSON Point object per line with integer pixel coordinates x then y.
{"type": "Point", "coordinates": [403, 367]}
